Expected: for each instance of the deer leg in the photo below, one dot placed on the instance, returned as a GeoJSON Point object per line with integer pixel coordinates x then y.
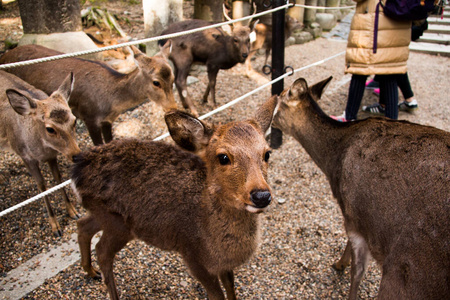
{"type": "Point", "coordinates": [345, 258]}
{"type": "Point", "coordinates": [33, 168]}
{"type": "Point", "coordinates": [360, 260]}
{"type": "Point", "coordinates": [107, 132]}
{"type": "Point", "coordinates": [87, 228]}
{"type": "Point", "coordinates": [95, 132]}
{"type": "Point", "coordinates": [113, 239]}
{"type": "Point", "coordinates": [227, 279]}
{"type": "Point", "coordinates": [212, 77]}
{"type": "Point", "coordinates": [53, 164]}
{"type": "Point", "coordinates": [209, 281]}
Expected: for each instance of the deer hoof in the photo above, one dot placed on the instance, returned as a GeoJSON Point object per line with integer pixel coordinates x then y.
{"type": "Point", "coordinates": [57, 233]}
{"type": "Point", "coordinates": [338, 267]}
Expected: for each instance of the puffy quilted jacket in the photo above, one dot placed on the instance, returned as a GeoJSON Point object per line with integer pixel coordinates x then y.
{"type": "Point", "coordinates": [392, 49]}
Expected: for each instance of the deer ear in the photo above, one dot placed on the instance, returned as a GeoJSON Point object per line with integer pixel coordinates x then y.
{"type": "Point", "coordinates": [298, 88]}
{"type": "Point", "coordinates": [265, 114]}
{"type": "Point", "coordinates": [135, 50]}
{"type": "Point", "coordinates": [318, 88]}
{"type": "Point", "coordinates": [66, 87]}
{"type": "Point", "coordinates": [165, 50]}
{"type": "Point", "coordinates": [22, 104]}
{"type": "Point", "coordinates": [187, 131]}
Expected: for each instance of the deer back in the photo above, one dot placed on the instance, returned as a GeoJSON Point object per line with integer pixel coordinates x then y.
{"type": "Point", "coordinates": [100, 92]}
{"type": "Point", "coordinates": [215, 179]}
{"type": "Point", "coordinates": [34, 125]}
{"type": "Point", "coordinates": [212, 45]}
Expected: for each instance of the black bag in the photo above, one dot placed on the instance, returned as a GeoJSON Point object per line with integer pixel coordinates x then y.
{"type": "Point", "coordinates": [408, 10]}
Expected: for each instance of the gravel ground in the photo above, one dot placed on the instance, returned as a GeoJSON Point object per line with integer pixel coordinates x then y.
{"type": "Point", "coordinates": [301, 237]}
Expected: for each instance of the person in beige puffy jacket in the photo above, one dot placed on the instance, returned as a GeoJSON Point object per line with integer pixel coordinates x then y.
{"type": "Point", "coordinates": [382, 51]}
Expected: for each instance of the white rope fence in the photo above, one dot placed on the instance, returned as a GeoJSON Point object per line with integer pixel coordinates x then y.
{"type": "Point", "coordinates": [325, 7]}
{"type": "Point", "coordinates": [168, 36]}
{"type": "Point", "coordinates": [147, 40]}
{"type": "Point", "coordinates": [221, 108]}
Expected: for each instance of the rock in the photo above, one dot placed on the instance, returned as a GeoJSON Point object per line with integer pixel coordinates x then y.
{"type": "Point", "coordinates": [303, 37]}
{"type": "Point", "coordinates": [327, 21]}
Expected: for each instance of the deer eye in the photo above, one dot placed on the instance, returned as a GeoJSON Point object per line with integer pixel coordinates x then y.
{"type": "Point", "coordinates": [50, 130]}
{"type": "Point", "coordinates": [156, 83]}
{"type": "Point", "coordinates": [235, 40]}
{"type": "Point", "coordinates": [267, 156]}
{"type": "Point", "coordinates": [223, 159]}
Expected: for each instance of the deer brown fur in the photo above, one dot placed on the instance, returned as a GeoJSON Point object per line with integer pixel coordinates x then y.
{"type": "Point", "coordinates": [213, 47]}
{"type": "Point", "coordinates": [201, 199]}
{"type": "Point", "coordinates": [38, 127]}
{"type": "Point", "coordinates": [392, 182]}
{"type": "Point", "coordinates": [263, 38]}
{"type": "Point", "coordinates": [100, 94]}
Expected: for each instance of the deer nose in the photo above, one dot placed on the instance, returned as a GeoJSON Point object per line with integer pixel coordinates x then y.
{"type": "Point", "coordinates": [261, 198]}
{"type": "Point", "coordinates": [244, 55]}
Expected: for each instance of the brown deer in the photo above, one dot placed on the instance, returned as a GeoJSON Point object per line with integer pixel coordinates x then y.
{"type": "Point", "coordinates": [213, 47]}
{"type": "Point", "coordinates": [100, 94]}
{"type": "Point", "coordinates": [203, 205]}
{"type": "Point", "coordinates": [392, 182]}
{"type": "Point", "coordinates": [38, 127]}
{"type": "Point", "coordinates": [263, 38]}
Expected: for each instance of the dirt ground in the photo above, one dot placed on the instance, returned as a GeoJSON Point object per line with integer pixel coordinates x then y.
{"type": "Point", "coordinates": [302, 232]}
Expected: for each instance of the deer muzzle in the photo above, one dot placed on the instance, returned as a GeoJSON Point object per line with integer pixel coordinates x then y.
{"type": "Point", "coordinates": [260, 199]}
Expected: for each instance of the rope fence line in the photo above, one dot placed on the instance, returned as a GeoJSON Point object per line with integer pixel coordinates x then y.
{"type": "Point", "coordinates": [325, 7]}
{"type": "Point", "coordinates": [147, 40]}
{"type": "Point", "coordinates": [221, 108]}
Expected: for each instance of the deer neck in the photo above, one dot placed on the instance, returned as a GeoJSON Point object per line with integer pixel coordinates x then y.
{"type": "Point", "coordinates": [316, 132]}
{"type": "Point", "coordinates": [232, 235]}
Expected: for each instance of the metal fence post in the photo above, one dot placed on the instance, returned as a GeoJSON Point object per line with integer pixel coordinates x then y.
{"type": "Point", "coordinates": [276, 138]}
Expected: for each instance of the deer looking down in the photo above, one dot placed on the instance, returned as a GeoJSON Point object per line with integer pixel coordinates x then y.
{"type": "Point", "coordinates": [203, 205]}
{"type": "Point", "coordinates": [100, 94]}
{"type": "Point", "coordinates": [392, 182]}
{"type": "Point", "coordinates": [38, 127]}
{"type": "Point", "coordinates": [213, 47]}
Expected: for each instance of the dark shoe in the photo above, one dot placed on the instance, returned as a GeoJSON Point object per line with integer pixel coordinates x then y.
{"type": "Point", "coordinates": [374, 109]}
{"type": "Point", "coordinates": [408, 106]}
{"type": "Point", "coordinates": [372, 84]}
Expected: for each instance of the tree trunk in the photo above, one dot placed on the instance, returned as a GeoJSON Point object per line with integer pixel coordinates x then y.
{"type": "Point", "coordinates": [50, 16]}
{"type": "Point", "coordinates": [209, 10]}
{"type": "Point", "coordinates": [158, 15]}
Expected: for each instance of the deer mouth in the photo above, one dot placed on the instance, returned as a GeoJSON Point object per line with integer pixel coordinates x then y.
{"type": "Point", "coordinates": [254, 209]}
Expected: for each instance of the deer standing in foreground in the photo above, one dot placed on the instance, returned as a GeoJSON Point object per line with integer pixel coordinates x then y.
{"type": "Point", "coordinates": [38, 127]}
{"type": "Point", "coordinates": [203, 205]}
{"type": "Point", "coordinates": [392, 182]}
{"type": "Point", "coordinates": [100, 94]}
{"type": "Point", "coordinates": [213, 47]}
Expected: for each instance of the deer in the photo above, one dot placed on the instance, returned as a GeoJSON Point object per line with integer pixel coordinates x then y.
{"type": "Point", "coordinates": [37, 127]}
{"type": "Point", "coordinates": [391, 180]}
{"type": "Point", "coordinates": [215, 48]}
{"type": "Point", "coordinates": [101, 94]}
{"type": "Point", "coordinates": [201, 197]}
{"type": "Point", "coordinates": [263, 38]}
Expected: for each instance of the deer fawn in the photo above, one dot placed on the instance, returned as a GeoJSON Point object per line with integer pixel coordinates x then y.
{"type": "Point", "coordinates": [101, 94]}
{"type": "Point", "coordinates": [392, 182]}
{"type": "Point", "coordinates": [203, 205]}
{"type": "Point", "coordinates": [38, 127]}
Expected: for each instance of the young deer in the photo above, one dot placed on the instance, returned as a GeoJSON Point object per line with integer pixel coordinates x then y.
{"type": "Point", "coordinates": [38, 127]}
{"type": "Point", "coordinates": [100, 94]}
{"type": "Point", "coordinates": [213, 47]}
{"type": "Point", "coordinates": [392, 182]}
{"type": "Point", "coordinates": [203, 205]}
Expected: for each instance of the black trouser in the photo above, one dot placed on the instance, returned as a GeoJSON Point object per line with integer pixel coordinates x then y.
{"type": "Point", "coordinates": [403, 84]}
{"type": "Point", "coordinates": [388, 94]}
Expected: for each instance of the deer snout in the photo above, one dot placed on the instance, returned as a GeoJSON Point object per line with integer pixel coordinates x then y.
{"type": "Point", "coordinates": [260, 199]}
{"type": "Point", "coordinates": [244, 55]}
